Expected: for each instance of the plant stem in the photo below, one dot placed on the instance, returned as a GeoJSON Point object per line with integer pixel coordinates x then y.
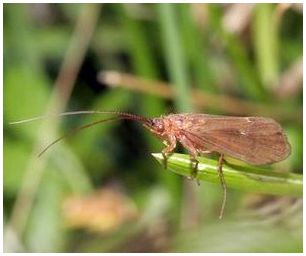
{"type": "Point", "coordinates": [218, 102]}
{"type": "Point", "coordinates": [246, 178]}
{"type": "Point", "coordinates": [175, 58]}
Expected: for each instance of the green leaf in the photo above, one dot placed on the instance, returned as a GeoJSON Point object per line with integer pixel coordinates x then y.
{"type": "Point", "coordinates": [266, 43]}
{"type": "Point", "coordinates": [249, 82]}
{"type": "Point", "coordinates": [195, 44]}
{"type": "Point", "coordinates": [247, 178]}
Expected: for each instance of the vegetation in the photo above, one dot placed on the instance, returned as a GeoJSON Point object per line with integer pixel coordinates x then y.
{"type": "Point", "coordinates": [100, 190]}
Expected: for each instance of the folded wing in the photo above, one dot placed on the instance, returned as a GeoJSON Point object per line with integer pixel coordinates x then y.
{"type": "Point", "coordinates": [255, 140]}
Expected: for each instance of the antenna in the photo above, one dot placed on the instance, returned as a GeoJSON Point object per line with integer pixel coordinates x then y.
{"type": "Point", "coordinates": [85, 112]}
{"type": "Point", "coordinates": [120, 115]}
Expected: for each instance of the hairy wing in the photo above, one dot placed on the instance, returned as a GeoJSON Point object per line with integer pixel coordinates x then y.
{"type": "Point", "coordinates": [255, 140]}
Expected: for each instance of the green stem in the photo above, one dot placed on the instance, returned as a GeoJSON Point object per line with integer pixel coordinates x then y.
{"type": "Point", "coordinates": [175, 56]}
{"type": "Point", "coordinates": [247, 178]}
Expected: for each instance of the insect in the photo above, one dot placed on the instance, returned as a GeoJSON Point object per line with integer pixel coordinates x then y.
{"type": "Point", "coordinates": [254, 140]}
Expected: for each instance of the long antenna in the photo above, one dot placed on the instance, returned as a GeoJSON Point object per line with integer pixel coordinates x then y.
{"type": "Point", "coordinates": [75, 130]}
{"type": "Point", "coordinates": [85, 112]}
{"type": "Point", "coordinates": [120, 115]}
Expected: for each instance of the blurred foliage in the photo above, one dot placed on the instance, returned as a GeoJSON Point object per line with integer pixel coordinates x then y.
{"type": "Point", "coordinates": [244, 51]}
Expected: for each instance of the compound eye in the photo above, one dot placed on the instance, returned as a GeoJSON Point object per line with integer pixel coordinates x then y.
{"type": "Point", "coordinates": [158, 125]}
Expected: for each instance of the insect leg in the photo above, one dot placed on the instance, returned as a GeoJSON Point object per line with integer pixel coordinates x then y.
{"type": "Point", "coordinates": [171, 145]}
{"type": "Point", "coordinates": [193, 154]}
{"type": "Point", "coordinates": [165, 160]}
{"type": "Point", "coordinates": [194, 165]}
{"type": "Point", "coordinates": [220, 173]}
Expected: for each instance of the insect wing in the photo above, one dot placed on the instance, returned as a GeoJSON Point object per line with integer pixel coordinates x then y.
{"type": "Point", "coordinates": [255, 140]}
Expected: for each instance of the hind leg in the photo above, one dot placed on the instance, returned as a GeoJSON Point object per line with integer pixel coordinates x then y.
{"type": "Point", "coordinates": [222, 180]}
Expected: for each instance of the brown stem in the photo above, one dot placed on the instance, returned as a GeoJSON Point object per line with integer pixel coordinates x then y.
{"type": "Point", "coordinates": [224, 103]}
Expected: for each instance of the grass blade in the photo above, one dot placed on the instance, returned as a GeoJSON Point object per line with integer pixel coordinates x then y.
{"type": "Point", "coordinates": [247, 178]}
{"type": "Point", "coordinates": [175, 56]}
{"type": "Point", "coordinates": [266, 48]}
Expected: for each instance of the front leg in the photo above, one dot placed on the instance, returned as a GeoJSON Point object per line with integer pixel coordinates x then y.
{"type": "Point", "coordinates": [171, 145]}
{"type": "Point", "coordinates": [193, 154]}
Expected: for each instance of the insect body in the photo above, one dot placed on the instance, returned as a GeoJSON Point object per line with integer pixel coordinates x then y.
{"type": "Point", "coordinates": [255, 140]}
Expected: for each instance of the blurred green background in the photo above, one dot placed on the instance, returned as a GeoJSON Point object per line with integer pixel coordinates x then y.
{"type": "Point", "coordinates": [101, 190]}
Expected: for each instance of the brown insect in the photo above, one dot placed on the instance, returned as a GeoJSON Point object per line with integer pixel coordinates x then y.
{"type": "Point", "coordinates": [255, 140]}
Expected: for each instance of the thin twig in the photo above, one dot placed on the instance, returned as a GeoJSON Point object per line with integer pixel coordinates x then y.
{"type": "Point", "coordinates": [224, 103]}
